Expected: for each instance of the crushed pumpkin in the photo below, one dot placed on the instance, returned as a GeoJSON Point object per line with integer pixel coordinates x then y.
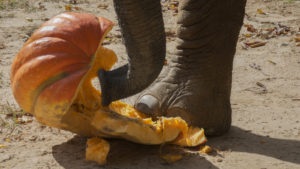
{"type": "Point", "coordinates": [69, 101]}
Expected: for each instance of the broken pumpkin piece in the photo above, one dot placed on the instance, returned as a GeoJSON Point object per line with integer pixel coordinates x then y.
{"type": "Point", "coordinates": [51, 79]}
{"type": "Point", "coordinates": [171, 158]}
{"type": "Point", "coordinates": [205, 149]}
{"type": "Point", "coordinates": [97, 150]}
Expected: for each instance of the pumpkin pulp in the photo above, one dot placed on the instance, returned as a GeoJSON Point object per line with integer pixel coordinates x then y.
{"type": "Point", "coordinates": [120, 119]}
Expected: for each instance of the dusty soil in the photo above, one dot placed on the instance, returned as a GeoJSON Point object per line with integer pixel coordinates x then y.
{"type": "Point", "coordinates": [265, 129]}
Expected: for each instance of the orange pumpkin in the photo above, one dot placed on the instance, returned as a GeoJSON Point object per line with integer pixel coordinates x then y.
{"type": "Point", "coordinates": [47, 71]}
{"type": "Point", "coordinates": [59, 52]}
{"type": "Point", "coordinates": [51, 78]}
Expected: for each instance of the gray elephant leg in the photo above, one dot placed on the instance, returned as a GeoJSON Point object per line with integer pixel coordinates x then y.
{"type": "Point", "coordinates": [198, 84]}
{"type": "Point", "coordinates": [139, 21]}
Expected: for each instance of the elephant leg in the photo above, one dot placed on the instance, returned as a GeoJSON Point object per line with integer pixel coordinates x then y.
{"type": "Point", "coordinates": [197, 86]}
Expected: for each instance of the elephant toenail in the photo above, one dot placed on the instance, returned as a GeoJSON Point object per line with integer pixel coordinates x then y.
{"type": "Point", "coordinates": [148, 104]}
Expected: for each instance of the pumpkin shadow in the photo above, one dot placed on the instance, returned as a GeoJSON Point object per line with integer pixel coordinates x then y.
{"type": "Point", "coordinates": [123, 154]}
{"type": "Point", "coordinates": [240, 140]}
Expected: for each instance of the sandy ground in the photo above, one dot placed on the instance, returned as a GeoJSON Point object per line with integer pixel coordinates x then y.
{"type": "Point", "coordinates": [265, 130]}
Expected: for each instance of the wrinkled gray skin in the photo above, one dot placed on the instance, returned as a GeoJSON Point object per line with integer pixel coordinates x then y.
{"type": "Point", "coordinates": [143, 34]}
{"type": "Point", "coordinates": [197, 85]}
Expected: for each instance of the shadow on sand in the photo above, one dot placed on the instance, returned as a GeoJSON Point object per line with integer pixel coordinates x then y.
{"type": "Point", "coordinates": [124, 154]}
{"type": "Point", "coordinates": [240, 140]}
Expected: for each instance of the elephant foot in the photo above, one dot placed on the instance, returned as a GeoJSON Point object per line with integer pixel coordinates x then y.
{"type": "Point", "coordinates": [197, 85]}
{"type": "Point", "coordinates": [198, 98]}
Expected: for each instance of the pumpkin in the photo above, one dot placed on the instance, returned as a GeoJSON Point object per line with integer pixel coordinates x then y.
{"type": "Point", "coordinates": [51, 79]}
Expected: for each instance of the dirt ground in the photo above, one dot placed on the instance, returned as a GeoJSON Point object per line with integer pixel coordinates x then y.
{"type": "Point", "coordinates": [265, 129]}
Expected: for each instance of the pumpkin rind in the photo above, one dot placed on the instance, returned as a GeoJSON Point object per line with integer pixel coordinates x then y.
{"type": "Point", "coordinates": [62, 46]}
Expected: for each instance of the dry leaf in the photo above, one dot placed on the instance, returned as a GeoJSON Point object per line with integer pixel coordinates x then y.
{"type": "Point", "coordinates": [255, 44]}
{"type": "Point", "coordinates": [2, 145]}
{"type": "Point", "coordinates": [250, 28]}
{"type": "Point", "coordinates": [272, 62]}
{"type": "Point", "coordinates": [248, 35]}
{"type": "Point", "coordinates": [41, 6]}
{"type": "Point", "coordinates": [172, 6]}
{"type": "Point", "coordinates": [29, 19]}
{"type": "Point", "coordinates": [73, 1]}
{"type": "Point", "coordinates": [270, 29]}
{"type": "Point", "coordinates": [2, 46]}
{"type": "Point", "coordinates": [7, 140]}
{"type": "Point", "coordinates": [260, 85]}
{"type": "Point", "coordinates": [108, 39]}
{"type": "Point", "coordinates": [102, 6]}
{"type": "Point", "coordinates": [68, 7]}
{"type": "Point", "coordinates": [219, 160]}
{"type": "Point", "coordinates": [77, 8]}
{"type": "Point", "coordinates": [261, 12]}
{"type": "Point", "coordinates": [297, 39]}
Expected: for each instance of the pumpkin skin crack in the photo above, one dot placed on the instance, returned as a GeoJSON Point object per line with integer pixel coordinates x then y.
{"type": "Point", "coordinates": [71, 102]}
